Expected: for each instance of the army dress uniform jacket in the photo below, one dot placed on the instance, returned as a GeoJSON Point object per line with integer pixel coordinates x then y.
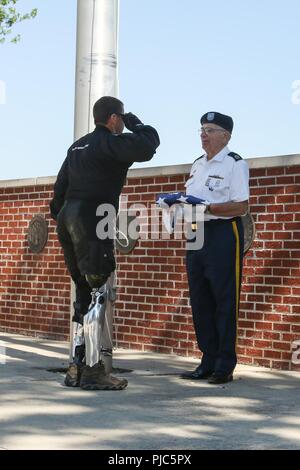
{"type": "Point", "coordinates": [224, 178]}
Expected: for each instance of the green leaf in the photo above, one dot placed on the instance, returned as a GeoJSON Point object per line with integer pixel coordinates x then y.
{"type": "Point", "coordinates": [9, 16]}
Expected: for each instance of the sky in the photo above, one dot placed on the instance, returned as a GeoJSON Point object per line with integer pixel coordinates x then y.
{"type": "Point", "coordinates": [178, 59]}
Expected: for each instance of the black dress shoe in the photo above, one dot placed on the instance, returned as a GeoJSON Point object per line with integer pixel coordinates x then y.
{"type": "Point", "coordinates": [197, 374]}
{"type": "Point", "coordinates": [216, 379]}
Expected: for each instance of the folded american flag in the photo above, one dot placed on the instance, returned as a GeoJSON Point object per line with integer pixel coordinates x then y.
{"type": "Point", "coordinates": [166, 200]}
{"type": "Point", "coordinates": [177, 204]}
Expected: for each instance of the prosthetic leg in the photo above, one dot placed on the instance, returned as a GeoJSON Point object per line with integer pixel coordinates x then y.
{"type": "Point", "coordinates": [93, 325]}
{"type": "Point", "coordinates": [89, 372]}
{"type": "Point", "coordinates": [78, 347]}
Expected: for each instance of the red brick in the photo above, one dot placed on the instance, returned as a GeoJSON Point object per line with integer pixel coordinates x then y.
{"type": "Point", "coordinates": [274, 245]}
{"type": "Point", "coordinates": [177, 179]}
{"type": "Point", "coordinates": [273, 280]}
{"type": "Point", "coordinates": [282, 235]}
{"type": "Point", "coordinates": [282, 308]}
{"type": "Point", "coordinates": [258, 172]}
{"type": "Point", "coordinates": [265, 235]}
{"type": "Point", "coordinates": [263, 325]}
{"type": "Point", "coordinates": [291, 263]}
{"type": "Point", "coordinates": [254, 315]}
{"type": "Point", "coordinates": [283, 272]}
{"type": "Point", "coordinates": [255, 298]}
{"type": "Point", "coordinates": [285, 180]}
{"type": "Point", "coordinates": [246, 324]}
{"type": "Point", "coordinates": [274, 171]}
{"type": "Point", "coordinates": [284, 217]}
{"type": "Point", "coordinates": [272, 354]}
{"type": "Point", "coordinates": [263, 344]}
{"type": "Point", "coordinates": [291, 318]}
{"type": "Point", "coordinates": [292, 245]}
{"type": "Point", "coordinates": [274, 226]}
{"type": "Point", "coordinates": [263, 289]}
{"type": "Point", "coordinates": [282, 254]}
{"type": "Point", "coordinates": [276, 208]}
{"type": "Point", "coordinates": [286, 199]}
{"type": "Point", "coordinates": [253, 182]}
{"type": "Point", "coordinates": [267, 200]}
{"type": "Point", "coordinates": [293, 189]}
{"type": "Point", "coordinates": [281, 327]}
{"type": "Point", "coordinates": [258, 191]}
{"type": "Point", "coordinates": [292, 170]}
{"type": "Point", "coordinates": [265, 254]}
{"type": "Point", "coordinates": [265, 217]}
{"type": "Point", "coordinates": [275, 189]}
{"type": "Point", "coordinates": [253, 334]}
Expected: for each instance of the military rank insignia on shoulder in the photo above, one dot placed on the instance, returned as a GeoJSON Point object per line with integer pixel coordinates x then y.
{"type": "Point", "coordinates": [235, 156]}
{"type": "Point", "coordinates": [199, 158]}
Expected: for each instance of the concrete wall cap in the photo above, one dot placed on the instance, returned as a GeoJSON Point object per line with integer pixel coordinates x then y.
{"type": "Point", "coordinates": [166, 170]}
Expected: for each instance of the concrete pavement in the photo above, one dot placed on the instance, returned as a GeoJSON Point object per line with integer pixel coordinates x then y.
{"type": "Point", "coordinates": [260, 409]}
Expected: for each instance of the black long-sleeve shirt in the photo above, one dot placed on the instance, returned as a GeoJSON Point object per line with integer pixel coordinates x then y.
{"type": "Point", "coordinates": [96, 165]}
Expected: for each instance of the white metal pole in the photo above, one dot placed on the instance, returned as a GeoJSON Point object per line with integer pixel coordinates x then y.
{"type": "Point", "coordinates": [96, 59]}
{"type": "Point", "coordinates": [96, 76]}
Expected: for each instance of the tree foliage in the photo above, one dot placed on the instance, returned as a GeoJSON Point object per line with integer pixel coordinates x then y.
{"type": "Point", "coordinates": [9, 16]}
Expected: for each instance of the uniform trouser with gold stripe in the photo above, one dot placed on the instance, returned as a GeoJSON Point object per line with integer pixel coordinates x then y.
{"type": "Point", "coordinates": [214, 275]}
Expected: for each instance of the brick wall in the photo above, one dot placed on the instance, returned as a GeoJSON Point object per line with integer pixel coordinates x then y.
{"type": "Point", "coordinates": [152, 311]}
{"type": "Point", "coordinates": [270, 304]}
{"type": "Point", "coordinates": [34, 288]}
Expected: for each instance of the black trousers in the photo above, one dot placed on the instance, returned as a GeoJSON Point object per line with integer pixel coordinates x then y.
{"type": "Point", "coordinates": [214, 276]}
{"type": "Point", "coordinates": [84, 253]}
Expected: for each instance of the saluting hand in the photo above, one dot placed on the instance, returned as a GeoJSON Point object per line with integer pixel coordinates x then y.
{"type": "Point", "coordinates": [131, 121]}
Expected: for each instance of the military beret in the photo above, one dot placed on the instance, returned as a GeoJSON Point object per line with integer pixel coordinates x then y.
{"type": "Point", "coordinates": [221, 120]}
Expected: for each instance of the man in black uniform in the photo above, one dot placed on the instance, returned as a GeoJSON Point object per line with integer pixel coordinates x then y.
{"type": "Point", "coordinates": [92, 174]}
{"type": "Point", "coordinates": [221, 178]}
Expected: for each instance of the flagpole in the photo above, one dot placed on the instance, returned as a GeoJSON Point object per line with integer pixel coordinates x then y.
{"type": "Point", "coordinates": [96, 58]}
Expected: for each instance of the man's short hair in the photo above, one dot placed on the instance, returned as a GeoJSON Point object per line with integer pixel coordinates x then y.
{"type": "Point", "coordinates": [105, 107]}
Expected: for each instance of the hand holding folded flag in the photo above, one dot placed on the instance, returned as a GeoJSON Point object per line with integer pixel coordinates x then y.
{"type": "Point", "coordinates": [179, 201]}
{"type": "Point", "coordinates": [166, 200]}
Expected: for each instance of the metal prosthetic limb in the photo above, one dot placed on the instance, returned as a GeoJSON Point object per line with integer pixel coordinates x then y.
{"type": "Point", "coordinates": [107, 342]}
{"type": "Point", "coordinates": [95, 375]}
{"type": "Point", "coordinates": [77, 351]}
{"type": "Point", "coordinates": [93, 324]}
{"type": "Point", "coordinates": [78, 347]}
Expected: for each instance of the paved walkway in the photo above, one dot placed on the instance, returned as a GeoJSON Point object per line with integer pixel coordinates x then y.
{"type": "Point", "coordinates": [260, 409]}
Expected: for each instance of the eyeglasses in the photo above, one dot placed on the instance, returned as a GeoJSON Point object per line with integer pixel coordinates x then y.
{"type": "Point", "coordinates": [118, 114]}
{"type": "Point", "coordinates": [209, 130]}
